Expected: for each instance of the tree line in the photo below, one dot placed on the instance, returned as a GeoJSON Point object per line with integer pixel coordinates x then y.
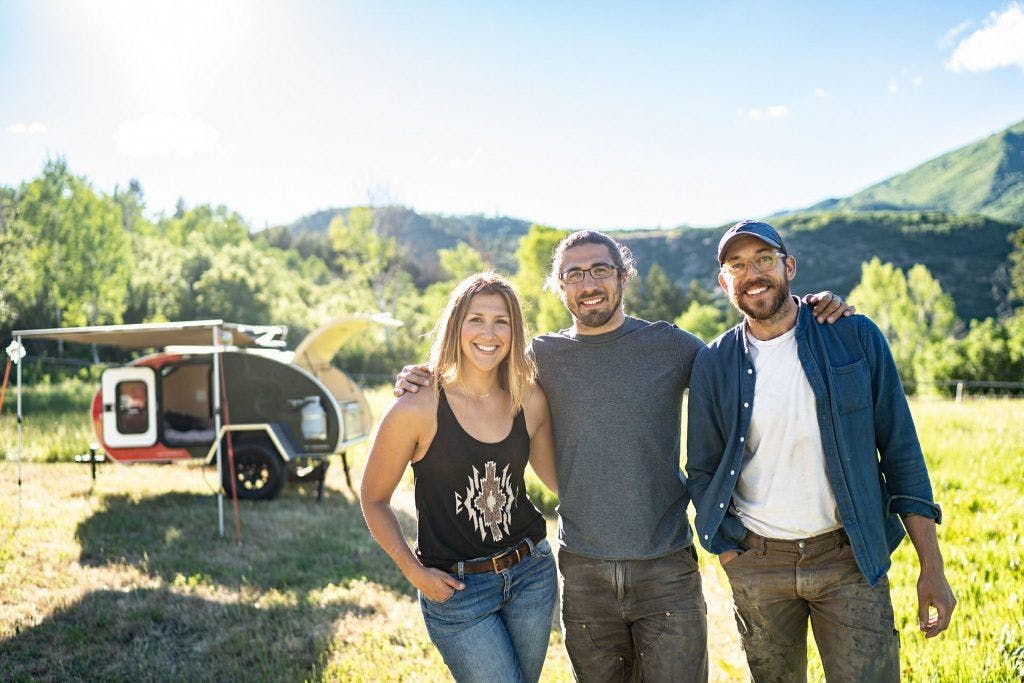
{"type": "Point", "coordinates": [72, 256]}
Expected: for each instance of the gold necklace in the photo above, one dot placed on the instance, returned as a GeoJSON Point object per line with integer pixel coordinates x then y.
{"type": "Point", "coordinates": [475, 395]}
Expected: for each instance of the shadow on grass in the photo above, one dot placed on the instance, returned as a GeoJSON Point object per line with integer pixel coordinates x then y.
{"type": "Point", "coordinates": [156, 634]}
{"type": "Point", "coordinates": [291, 544]}
{"type": "Point", "coordinates": [267, 609]}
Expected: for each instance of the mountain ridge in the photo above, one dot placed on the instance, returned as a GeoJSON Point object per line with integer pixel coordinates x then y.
{"type": "Point", "coordinates": [983, 177]}
{"type": "Point", "coordinates": [953, 213]}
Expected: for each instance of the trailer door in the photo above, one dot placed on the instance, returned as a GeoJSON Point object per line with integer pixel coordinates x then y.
{"type": "Point", "coordinates": [129, 407]}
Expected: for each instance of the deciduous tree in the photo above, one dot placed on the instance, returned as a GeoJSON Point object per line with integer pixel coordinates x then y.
{"type": "Point", "coordinates": [543, 309]}
{"type": "Point", "coordinates": [656, 297]}
{"type": "Point", "coordinates": [78, 250]}
{"type": "Point", "coordinates": [911, 310]}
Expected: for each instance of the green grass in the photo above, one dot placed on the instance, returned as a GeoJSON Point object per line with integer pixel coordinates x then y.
{"type": "Point", "coordinates": [128, 577]}
{"type": "Point", "coordinates": [55, 424]}
{"type": "Point", "coordinates": [975, 454]}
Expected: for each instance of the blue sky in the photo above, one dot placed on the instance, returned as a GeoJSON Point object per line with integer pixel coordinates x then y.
{"type": "Point", "coordinates": [603, 115]}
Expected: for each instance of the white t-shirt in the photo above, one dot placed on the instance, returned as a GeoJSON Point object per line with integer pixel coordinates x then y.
{"type": "Point", "coordinates": [783, 490]}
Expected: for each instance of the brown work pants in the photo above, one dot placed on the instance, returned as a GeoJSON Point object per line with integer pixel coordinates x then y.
{"type": "Point", "coordinates": [777, 585]}
{"type": "Point", "coordinates": [632, 620]}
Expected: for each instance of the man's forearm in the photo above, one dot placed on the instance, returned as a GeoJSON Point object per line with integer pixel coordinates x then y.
{"type": "Point", "coordinates": [922, 534]}
{"type": "Point", "coordinates": [935, 599]}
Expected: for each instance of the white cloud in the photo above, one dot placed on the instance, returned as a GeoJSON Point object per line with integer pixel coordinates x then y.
{"type": "Point", "coordinates": [918, 81]}
{"type": "Point", "coordinates": [778, 111]}
{"type": "Point", "coordinates": [894, 87]}
{"type": "Point", "coordinates": [34, 128]}
{"type": "Point", "coordinates": [822, 94]}
{"type": "Point", "coordinates": [952, 34]}
{"type": "Point", "coordinates": [163, 135]}
{"type": "Point", "coordinates": [999, 44]}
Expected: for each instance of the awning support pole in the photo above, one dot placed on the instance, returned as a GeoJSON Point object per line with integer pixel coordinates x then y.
{"type": "Point", "coordinates": [216, 427]}
{"type": "Point", "coordinates": [18, 339]}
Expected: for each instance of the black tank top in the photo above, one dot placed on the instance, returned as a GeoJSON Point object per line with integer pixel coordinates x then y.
{"type": "Point", "coordinates": [470, 495]}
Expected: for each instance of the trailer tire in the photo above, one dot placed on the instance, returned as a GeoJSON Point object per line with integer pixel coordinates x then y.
{"type": "Point", "coordinates": [259, 473]}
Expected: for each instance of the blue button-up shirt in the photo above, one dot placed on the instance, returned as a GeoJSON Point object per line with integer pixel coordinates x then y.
{"type": "Point", "coordinates": [872, 455]}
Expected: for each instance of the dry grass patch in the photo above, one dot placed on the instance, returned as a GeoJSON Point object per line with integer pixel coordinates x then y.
{"type": "Point", "coordinates": [129, 580]}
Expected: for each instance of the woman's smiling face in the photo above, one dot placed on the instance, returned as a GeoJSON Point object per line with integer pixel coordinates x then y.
{"type": "Point", "coordinates": [486, 334]}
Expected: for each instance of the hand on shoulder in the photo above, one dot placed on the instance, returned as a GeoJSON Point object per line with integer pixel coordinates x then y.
{"type": "Point", "coordinates": [411, 378]}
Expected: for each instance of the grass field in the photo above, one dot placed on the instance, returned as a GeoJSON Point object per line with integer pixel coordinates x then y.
{"type": "Point", "coordinates": [127, 579]}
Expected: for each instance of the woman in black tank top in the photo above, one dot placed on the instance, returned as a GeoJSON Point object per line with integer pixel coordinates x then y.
{"type": "Point", "coordinates": [482, 566]}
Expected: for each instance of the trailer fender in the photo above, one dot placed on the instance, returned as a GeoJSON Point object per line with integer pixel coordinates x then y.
{"type": "Point", "coordinates": [275, 435]}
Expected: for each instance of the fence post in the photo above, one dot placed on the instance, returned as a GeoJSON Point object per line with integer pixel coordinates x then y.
{"type": "Point", "coordinates": [960, 392]}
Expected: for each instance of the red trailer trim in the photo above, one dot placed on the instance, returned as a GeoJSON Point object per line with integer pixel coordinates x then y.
{"type": "Point", "coordinates": [156, 452]}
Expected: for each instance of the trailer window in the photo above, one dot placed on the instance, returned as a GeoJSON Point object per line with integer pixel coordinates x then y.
{"type": "Point", "coordinates": [132, 407]}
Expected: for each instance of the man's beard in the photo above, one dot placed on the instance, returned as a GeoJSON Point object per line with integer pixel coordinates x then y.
{"type": "Point", "coordinates": [598, 318]}
{"type": "Point", "coordinates": [765, 309]}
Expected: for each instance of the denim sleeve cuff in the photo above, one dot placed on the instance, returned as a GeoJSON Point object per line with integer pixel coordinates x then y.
{"type": "Point", "coordinates": [719, 541]}
{"type": "Point", "coordinates": [911, 505]}
{"type": "Point", "coordinates": [718, 544]}
{"type": "Point", "coordinates": [730, 533]}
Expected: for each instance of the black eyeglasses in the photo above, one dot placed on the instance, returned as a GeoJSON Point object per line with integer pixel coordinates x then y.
{"type": "Point", "coordinates": [598, 271]}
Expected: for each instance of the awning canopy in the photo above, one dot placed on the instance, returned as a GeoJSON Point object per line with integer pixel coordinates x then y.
{"type": "Point", "coordinates": [320, 345]}
{"type": "Point", "coordinates": [159, 335]}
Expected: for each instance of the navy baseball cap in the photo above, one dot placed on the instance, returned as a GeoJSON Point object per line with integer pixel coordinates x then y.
{"type": "Point", "coordinates": [762, 231]}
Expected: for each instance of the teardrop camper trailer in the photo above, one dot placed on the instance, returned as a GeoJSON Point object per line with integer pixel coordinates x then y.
{"type": "Point", "coordinates": [286, 412]}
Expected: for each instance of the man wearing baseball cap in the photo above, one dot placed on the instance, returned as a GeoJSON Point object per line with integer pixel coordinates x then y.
{"type": "Point", "coordinates": [804, 467]}
{"type": "Point", "coordinates": [632, 606]}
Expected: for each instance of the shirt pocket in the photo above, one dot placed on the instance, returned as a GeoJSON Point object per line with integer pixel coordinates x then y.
{"type": "Point", "coordinates": [852, 386]}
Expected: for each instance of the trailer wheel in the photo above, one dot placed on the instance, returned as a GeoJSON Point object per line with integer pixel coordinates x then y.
{"type": "Point", "coordinates": [259, 473]}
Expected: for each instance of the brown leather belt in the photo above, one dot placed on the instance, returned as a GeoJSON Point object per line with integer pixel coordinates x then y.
{"type": "Point", "coordinates": [506, 559]}
{"type": "Point", "coordinates": [830, 539]}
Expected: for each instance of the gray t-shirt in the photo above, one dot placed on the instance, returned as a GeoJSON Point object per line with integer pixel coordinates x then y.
{"type": "Point", "coordinates": [616, 402]}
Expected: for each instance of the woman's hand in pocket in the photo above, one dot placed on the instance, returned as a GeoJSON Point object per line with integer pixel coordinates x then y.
{"type": "Point", "coordinates": [437, 585]}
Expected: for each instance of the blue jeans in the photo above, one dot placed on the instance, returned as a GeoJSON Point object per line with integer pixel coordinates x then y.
{"type": "Point", "coordinates": [631, 620]}
{"type": "Point", "coordinates": [497, 628]}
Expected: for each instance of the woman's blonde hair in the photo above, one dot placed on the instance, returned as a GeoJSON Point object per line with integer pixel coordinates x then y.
{"type": "Point", "coordinates": [516, 372]}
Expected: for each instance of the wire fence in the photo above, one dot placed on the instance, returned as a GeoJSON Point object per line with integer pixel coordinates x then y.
{"type": "Point", "coordinates": [961, 389]}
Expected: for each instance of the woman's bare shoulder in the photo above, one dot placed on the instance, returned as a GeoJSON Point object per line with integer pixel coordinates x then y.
{"type": "Point", "coordinates": [419, 407]}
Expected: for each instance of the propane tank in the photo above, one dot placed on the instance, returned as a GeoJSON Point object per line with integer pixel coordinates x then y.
{"type": "Point", "coordinates": [314, 419]}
